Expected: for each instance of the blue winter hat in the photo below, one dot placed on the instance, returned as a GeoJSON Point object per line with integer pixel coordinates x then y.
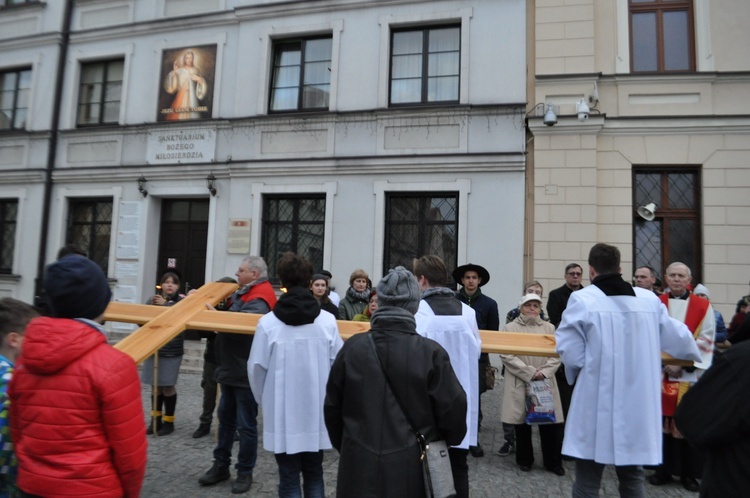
{"type": "Point", "coordinates": [76, 288]}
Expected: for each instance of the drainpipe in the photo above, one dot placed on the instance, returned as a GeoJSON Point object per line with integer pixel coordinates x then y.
{"type": "Point", "coordinates": [52, 152]}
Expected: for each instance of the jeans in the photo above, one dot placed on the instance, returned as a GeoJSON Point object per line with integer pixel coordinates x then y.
{"type": "Point", "coordinates": [310, 464]}
{"type": "Point", "coordinates": [589, 478]}
{"type": "Point", "coordinates": [238, 412]}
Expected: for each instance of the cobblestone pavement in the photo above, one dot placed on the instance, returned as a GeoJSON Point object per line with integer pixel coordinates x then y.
{"type": "Point", "coordinates": [177, 461]}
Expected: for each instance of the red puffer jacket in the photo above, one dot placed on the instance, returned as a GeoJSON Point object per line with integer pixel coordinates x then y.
{"type": "Point", "coordinates": [76, 416]}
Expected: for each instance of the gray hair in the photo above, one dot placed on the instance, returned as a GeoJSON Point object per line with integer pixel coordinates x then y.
{"type": "Point", "coordinates": [678, 263]}
{"type": "Point", "coordinates": [257, 263]}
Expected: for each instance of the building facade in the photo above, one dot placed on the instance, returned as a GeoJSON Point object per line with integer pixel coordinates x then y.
{"type": "Point", "coordinates": [665, 86]}
{"type": "Point", "coordinates": [186, 134]}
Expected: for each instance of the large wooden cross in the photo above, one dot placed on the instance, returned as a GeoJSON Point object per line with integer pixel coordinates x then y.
{"type": "Point", "coordinates": [159, 325]}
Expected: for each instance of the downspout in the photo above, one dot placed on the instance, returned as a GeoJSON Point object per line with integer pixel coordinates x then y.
{"type": "Point", "coordinates": [52, 152]}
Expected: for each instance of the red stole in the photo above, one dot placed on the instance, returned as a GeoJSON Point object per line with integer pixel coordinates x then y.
{"type": "Point", "coordinates": [696, 311]}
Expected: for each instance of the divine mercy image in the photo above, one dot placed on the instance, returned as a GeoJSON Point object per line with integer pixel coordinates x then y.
{"type": "Point", "coordinates": [187, 82]}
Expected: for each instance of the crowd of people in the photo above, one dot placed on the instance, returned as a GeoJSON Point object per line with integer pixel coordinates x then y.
{"type": "Point", "coordinates": [607, 399]}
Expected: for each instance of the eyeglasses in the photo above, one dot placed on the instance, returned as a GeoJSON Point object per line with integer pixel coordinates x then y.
{"type": "Point", "coordinates": [575, 274]}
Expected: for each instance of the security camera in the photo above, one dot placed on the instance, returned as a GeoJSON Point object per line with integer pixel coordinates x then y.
{"type": "Point", "coordinates": [550, 118]}
{"type": "Point", "coordinates": [583, 111]}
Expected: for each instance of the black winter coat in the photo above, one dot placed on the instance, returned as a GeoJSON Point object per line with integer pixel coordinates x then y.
{"type": "Point", "coordinates": [379, 456]}
{"type": "Point", "coordinates": [713, 416]}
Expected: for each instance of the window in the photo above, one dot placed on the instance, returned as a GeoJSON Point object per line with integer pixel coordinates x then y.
{"type": "Point", "coordinates": [675, 232]}
{"type": "Point", "coordinates": [292, 223]}
{"type": "Point", "coordinates": [8, 216]}
{"type": "Point", "coordinates": [301, 77]}
{"type": "Point", "coordinates": [90, 228]}
{"type": "Point", "coordinates": [15, 87]}
{"type": "Point", "coordinates": [425, 65]}
{"type": "Point", "coordinates": [417, 224]}
{"type": "Point", "coordinates": [100, 92]}
{"type": "Point", "coordinates": [661, 36]}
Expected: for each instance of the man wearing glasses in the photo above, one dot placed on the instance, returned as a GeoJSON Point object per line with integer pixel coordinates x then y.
{"type": "Point", "coordinates": [558, 298]}
{"type": "Point", "coordinates": [556, 304]}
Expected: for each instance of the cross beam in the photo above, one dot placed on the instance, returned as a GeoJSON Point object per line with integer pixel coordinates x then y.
{"type": "Point", "coordinates": [159, 325]}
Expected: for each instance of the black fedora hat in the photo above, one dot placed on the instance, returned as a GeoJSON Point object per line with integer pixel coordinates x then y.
{"type": "Point", "coordinates": [459, 272]}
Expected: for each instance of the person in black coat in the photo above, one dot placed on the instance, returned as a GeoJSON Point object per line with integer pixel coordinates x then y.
{"type": "Point", "coordinates": [713, 415]}
{"type": "Point", "coordinates": [472, 277]}
{"type": "Point", "coordinates": [379, 455]}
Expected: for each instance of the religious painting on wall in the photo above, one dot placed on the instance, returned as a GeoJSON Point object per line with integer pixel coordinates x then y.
{"type": "Point", "coordinates": [187, 83]}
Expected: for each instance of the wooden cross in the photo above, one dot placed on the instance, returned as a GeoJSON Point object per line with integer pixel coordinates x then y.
{"type": "Point", "coordinates": [159, 325]}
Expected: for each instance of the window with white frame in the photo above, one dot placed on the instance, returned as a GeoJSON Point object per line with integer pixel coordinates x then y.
{"type": "Point", "coordinates": [420, 223]}
{"type": "Point", "coordinates": [15, 87]}
{"type": "Point", "coordinates": [90, 228]}
{"type": "Point", "coordinates": [301, 74]}
{"type": "Point", "coordinates": [100, 92]}
{"type": "Point", "coordinates": [292, 223]}
{"type": "Point", "coordinates": [8, 220]}
{"type": "Point", "coordinates": [425, 65]}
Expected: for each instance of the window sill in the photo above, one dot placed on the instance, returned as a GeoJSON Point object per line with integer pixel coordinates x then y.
{"type": "Point", "coordinates": [34, 4]}
{"type": "Point", "coordinates": [9, 277]}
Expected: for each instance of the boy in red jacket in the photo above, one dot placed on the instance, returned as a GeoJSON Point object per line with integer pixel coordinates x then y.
{"type": "Point", "coordinates": [76, 414]}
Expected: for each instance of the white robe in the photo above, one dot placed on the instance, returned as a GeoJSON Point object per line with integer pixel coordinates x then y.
{"type": "Point", "coordinates": [610, 345]}
{"type": "Point", "coordinates": [459, 336]}
{"type": "Point", "coordinates": [288, 370]}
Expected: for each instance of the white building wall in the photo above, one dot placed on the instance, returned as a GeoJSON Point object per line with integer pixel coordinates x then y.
{"type": "Point", "coordinates": [353, 153]}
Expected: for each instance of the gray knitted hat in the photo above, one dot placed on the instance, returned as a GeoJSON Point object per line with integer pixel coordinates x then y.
{"type": "Point", "coordinates": [400, 289]}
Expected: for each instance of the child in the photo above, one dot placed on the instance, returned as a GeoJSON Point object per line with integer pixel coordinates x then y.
{"type": "Point", "coordinates": [75, 413]}
{"type": "Point", "coordinates": [14, 316]}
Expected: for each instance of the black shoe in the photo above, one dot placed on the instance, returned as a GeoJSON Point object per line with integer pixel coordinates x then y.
{"type": "Point", "coordinates": [558, 471]}
{"type": "Point", "coordinates": [217, 473]}
{"type": "Point", "coordinates": [659, 479]}
{"type": "Point", "coordinates": [167, 428]}
{"type": "Point", "coordinates": [150, 427]}
{"type": "Point", "coordinates": [202, 430]}
{"type": "Point", "coordinates": [567, 458]}
{"type": "Point", "coordinates": [476, 451]}
{"type": "Point", "coordinates": [690, 484]}
{"type": "Point", "coordinates": [506, 449]}
{"type": "Point", "coordinates": [242, 484]}
{"type": "Point", "coordinates": [524, 468]}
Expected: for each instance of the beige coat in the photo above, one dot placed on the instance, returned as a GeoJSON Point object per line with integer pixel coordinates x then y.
{"type": "Point", "coordinates": [520, 369]}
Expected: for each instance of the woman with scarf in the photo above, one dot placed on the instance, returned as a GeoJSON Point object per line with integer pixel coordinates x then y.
{"type": "Point", "coordinates": [357, 295]}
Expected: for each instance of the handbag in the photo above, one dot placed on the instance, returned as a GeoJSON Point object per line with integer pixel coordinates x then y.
{"type": "Point", "coordinates": [436, 465]}
{"type": "Point", "coordinates": [489, 377]}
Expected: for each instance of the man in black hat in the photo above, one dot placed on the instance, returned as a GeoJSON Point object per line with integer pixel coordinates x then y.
{"type": "Point", "coordinates": [472, 277]}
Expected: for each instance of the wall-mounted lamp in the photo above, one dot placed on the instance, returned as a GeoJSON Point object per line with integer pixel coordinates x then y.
{"type": "Point", "coordinates": [647, 212]}
{"type": "Point", "coordinates": [142, 185]}
{"type": "Point", "coordinates": [210, 179]}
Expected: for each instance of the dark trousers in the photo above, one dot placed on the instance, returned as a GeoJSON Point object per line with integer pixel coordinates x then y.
{"type": "Point", "coordinates": [310, 465]}
{"type": "Point", "coordinates": [460, 469]}
{"type": "Point", "coordinates": [209, 392]}
{"type": "Point", "coordinates": [551, 438]}
{"type": "Point", "coordinates": [237, 414]}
